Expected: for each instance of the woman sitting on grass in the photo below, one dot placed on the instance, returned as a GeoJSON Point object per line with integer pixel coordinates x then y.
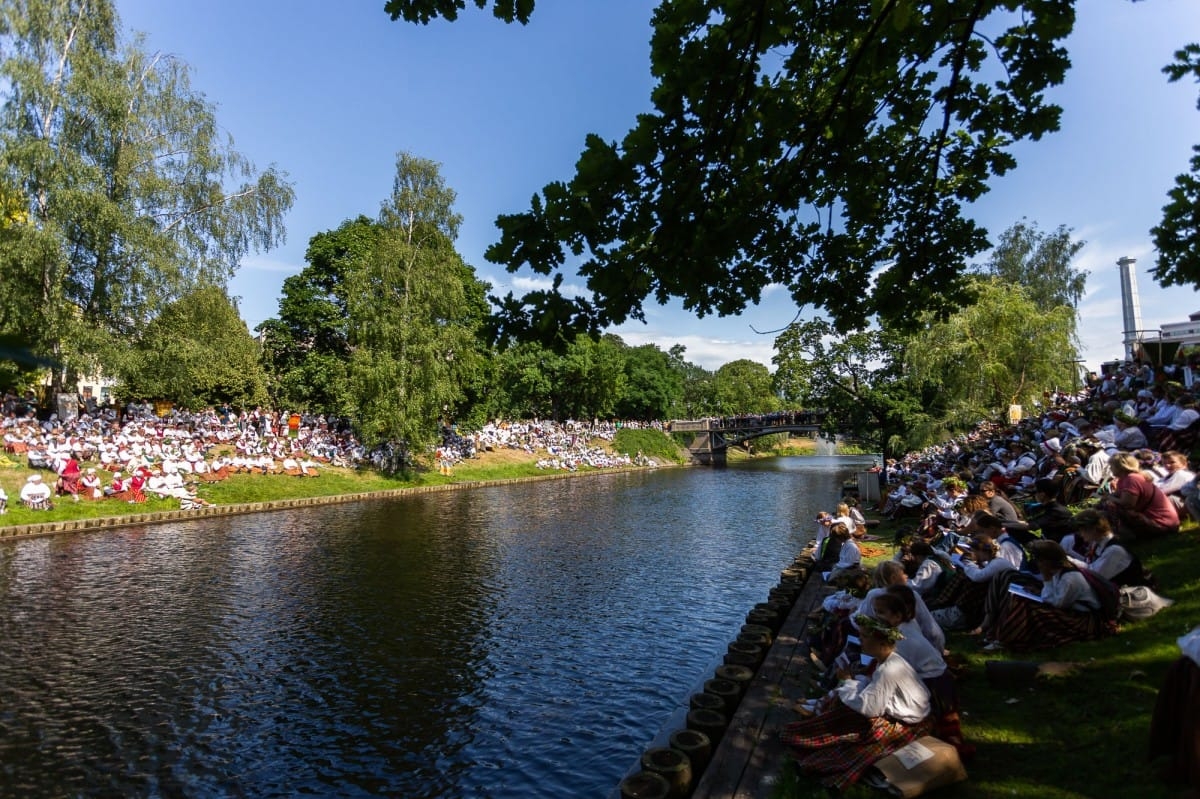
{"type": "Point", "coordinates": [1069, 610]}
{"type": "Point", "coordinates": [891, 573]}
{"type": "Point", "coordinates": [897, 607]}
{"type": "Point", "coordinates": [1137, 508]}
{"type": "Point", "coordinates": [865, 718]}
{"type": "Point", "coordinates": [1102, 554]}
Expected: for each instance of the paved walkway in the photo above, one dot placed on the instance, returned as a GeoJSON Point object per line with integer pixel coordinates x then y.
{"type": "Point", "coordinates": [748, 761]}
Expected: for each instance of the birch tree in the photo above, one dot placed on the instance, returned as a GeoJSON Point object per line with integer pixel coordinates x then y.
{"type": "Point", "coordinates": [415, 308]}
{"type": "Point", "coordinates": [134, 195]}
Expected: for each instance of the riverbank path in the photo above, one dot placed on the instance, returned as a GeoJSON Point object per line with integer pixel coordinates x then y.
{"type": "Point", "coordinates": [750, 757]}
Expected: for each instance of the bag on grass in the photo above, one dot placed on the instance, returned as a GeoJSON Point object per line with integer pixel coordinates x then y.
{"type": "Point", "coordinates": [924, 765]}
{"type": "Point", "coordinates": [1140, 602]}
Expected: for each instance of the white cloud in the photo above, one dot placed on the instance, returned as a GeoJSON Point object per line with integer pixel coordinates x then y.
{"type": "Point", "coordinates": [711, 353]}
{"type": "Point", "coordinates": [259, 263]}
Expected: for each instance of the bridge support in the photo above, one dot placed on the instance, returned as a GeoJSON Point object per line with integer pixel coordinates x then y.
{"type": "Point", "coordinates": [708, 449]}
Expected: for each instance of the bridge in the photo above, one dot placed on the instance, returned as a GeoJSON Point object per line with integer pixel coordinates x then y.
{"type": "Point", "coordinates": [711, 438]}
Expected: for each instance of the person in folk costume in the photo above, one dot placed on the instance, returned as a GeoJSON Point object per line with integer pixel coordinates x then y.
{"type": "Point", "coordinates": [897, 607]}
{"type": "Point", "coordinates": [1070, 608]}
{"type": "Point", "coordinates": [865, 718]}
{"type": "Point", "coordinates": [1102, 554]}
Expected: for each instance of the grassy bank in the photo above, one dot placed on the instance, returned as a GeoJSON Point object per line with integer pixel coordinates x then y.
{"type": "Point", "coordinates": [1076, 737]}
{"type": "Point", "coordinates": [252, 488]}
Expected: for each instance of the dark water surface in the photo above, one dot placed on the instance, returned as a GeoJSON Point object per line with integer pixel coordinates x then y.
{"type": "Point", "coordinates": [516, 641]}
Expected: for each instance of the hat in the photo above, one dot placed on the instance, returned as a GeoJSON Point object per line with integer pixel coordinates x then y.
{"type": "Point", "coordinates": [1051, 445]}
{"type": "Point", "coordinates": [1126, 461]}
{"type": "Point", "coordinates": [116, 474]}
{"type": "Point", "coordinates": [91, 470]}
{"type": "Point", "coordinates": [33, 478]}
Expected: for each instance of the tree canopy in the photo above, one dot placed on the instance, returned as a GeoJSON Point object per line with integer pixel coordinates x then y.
{"type": "Point", "coordinates": [830, 147]}
{"type": "Point", "coordinates": [130, 195]}
{"type": "Point", "coordinates": [827, 147]}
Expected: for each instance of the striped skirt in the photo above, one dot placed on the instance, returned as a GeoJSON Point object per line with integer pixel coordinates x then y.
{"type": "Point", "coordinates": [1024, 625]}
{"type": "Point", "coordinates": [839, 745]}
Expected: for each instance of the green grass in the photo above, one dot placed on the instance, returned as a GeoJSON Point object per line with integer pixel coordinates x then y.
{"type": "Point", "coordinates": [651, 443]}
{"type": "Point", "coordinates": [1082, 736]}
{"type": "Point", "coordinates": [246, 488]}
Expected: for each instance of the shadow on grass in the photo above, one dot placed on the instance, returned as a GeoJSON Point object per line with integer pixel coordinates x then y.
{"type": "Point", "coordinates": [1085, 735]}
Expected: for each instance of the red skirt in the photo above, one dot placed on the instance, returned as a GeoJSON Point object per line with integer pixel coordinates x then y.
{"type": "Point", "coordinates": [838, 746]}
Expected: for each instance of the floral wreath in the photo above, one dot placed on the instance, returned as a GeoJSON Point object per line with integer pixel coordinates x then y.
{"type": "Point", "coordinates": [866, 622]}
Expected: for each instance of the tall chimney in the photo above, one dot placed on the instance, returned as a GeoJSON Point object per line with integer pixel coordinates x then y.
{"type": "Point", "coordinates": [1131, 308]}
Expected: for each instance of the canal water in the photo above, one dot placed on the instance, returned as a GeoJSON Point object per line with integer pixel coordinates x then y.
{"type": "Point", "coordinates": [516, 641]}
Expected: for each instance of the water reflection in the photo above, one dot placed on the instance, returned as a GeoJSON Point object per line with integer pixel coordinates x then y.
{"type": "Point", "coordinates": [501, 642]}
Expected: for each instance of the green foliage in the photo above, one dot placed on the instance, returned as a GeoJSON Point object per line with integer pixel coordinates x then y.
{"type": "Point", "coordinates": [306, 350]}
{"type": "Point", "coordinates": [981, 358]}
{"type": "Point", "coordinates": [196, 353]}
{"type": "Point", "coordinates": [744, 386]}
{"type": "Point", "coordinates": [859, 380]}
{"type": "Point", "coordinates": [133, 195]}
{"type": "Point", "coordinates": [828, 147]}
{"type": "Point", "coordinates": [413, 314]}
{"type": "Point", "coordinates": [653, 388]}
{"type": "Point", "coordinates": [423, 11]}
{"type": "Point", "coordinates": [1177, 237]}
{"type": "Point", "coordinates": [699, 397]}
{"type": "Point", "coordinates": [649, 442]}
{"type": "Point", "coordinates": [1041, 263]}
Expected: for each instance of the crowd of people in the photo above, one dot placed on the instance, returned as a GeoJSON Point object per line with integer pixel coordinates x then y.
{"type": "Point", "coordinates": [125, 454]}
{"type": "Point", "coordinates": [1021, 537]}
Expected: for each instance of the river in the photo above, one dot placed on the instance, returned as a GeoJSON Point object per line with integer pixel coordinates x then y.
{"type": "Point", "coordinates": [514, 641]}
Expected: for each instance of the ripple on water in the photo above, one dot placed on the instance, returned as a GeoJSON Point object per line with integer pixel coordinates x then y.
{"type": "Point", "coordinates": [513, 641]}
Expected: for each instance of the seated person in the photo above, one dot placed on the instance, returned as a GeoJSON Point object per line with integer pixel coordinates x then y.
{"type": "Point", "coordinates": [68, 477]}
{"type": "Point", "coordinates": [35, 494]}
{"type": "Point", "coordinates": [930, 569]}
{"type": "Point", "coordinates": [3, 501]}
{"type": "Point", "coordinates": [891, 573]}
{"type": "Point", "coordinates": [1128, 436]}
{"type": "Point", "coordinates": [1069, 609]}
{"type": "Point", "coordinates": [866, 718]}
{"type": "Point", "coordinates": [841, 545]}
{"type": "Point", "coordinates": [897, 607]}
{"type": "Point", "coordinates": [1177, 477]}
{"type": "Point", "coordinates": [1048, 515]}
{"type": "Point", "coordinates": [89, 485]}
{"type": "Point", "coordinates": [1137, 508]}
{"type": "Point", "coordinates": [998, 504]}
{"type": "Point", "coordinates": [1102, 554]}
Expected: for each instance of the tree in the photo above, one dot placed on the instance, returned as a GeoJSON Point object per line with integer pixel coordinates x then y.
{"type": "Point", "coordinates": [1177, 237]}
{"type": "Point", "coordinates": [197, 353]}
{"type": "Point", "coordinates": [744, 386]}
{"type": "Point", "coordinates": [134, 196]}
{"type": "Point", "coordinates": [591, 380]}
{"type": "Point", "coordinates": [828, 147]}
{"type": "Point", "coordinates": [1041, 262]}
{"type": "Point", "coordinates": [699, 390]}
{"type": "Point", "coordinates": [858, 379]}
{"type": "Point", "coordinates": [653, 389]}
{"type": "Point", "coordinates": [984, 358]}
{"type": "Point", "coordinates": [414, 314]}
{"type": "Point", "coordinates": [306, 350]}
{"type": "Point", "coordinates": [425, 10]}
{"type": "Point", "coordinates": [525, 381]}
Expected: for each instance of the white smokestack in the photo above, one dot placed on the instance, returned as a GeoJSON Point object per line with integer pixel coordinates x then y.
{"type": "Point", "coordinates": [1131, 307]}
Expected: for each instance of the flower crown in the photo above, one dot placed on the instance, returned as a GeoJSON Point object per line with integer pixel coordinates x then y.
{"type": "Point", "coordinates": [866, 622]}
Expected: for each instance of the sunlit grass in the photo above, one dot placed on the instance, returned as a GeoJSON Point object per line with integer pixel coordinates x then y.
{"type": "Point", "coordinates": [1079, 736]}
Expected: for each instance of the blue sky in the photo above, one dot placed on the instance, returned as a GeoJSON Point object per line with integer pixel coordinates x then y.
{"type": "Point", "coordinates": [330, 92]}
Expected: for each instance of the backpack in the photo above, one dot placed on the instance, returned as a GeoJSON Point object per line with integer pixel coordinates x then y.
{"type": "Point", "coordinates": [1107, 592]}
